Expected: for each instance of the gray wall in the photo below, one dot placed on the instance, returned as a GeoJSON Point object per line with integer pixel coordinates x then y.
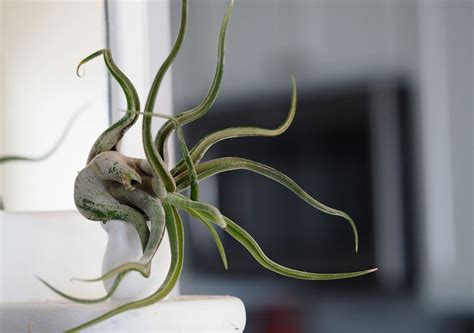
{"type": "Point", "coordinates": [325, 42]}
{"type": "Point", "coordinates": [317, 41]}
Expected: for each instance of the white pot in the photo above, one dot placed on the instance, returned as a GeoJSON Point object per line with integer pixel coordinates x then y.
{"type": "Point", "coordinates": [124, 246]}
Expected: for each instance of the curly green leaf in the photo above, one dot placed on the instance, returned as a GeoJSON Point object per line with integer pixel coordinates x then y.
{"type": "Point", "coordinates": [193, 178]}
{"type": "Point", "coordinates": [251, 245]}
{"type": "Point", "coordinates": [111, 137]}
{"type": "Point", "coordinates": [244, 238]}
{"type": "Point", "coordinates": [197, 112]}
{"type": "Point", "coordinates": [157, 164]}
{"type": "Point", "coordinates": [225, 164]}
{"type": "Point", "coordinates": [184, 152]}
{"type": "Point", "coordinates": [198, 151]}
{"type": "Point", "coordinates": [15, 158]}
{"type": "Point", "coordinates": [180, 201]}
{"type": "Point", "coordinates": [214, 234]}
{"type": "Point", "coordinates": [86, 300]}
{"type": "Point", "coordinates": [176, 236]}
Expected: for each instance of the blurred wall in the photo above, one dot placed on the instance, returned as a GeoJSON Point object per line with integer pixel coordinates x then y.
{"type": "Point", "coordinates": [445, 149]}
{"type": "Point", "coordinates": [328, 42]}
{"type": "Point", "coordinates": [2, 129]}
{"type": "Point", "coordinates": [42, 44]}
{"type": "Point", "coordinates": [318, 41]}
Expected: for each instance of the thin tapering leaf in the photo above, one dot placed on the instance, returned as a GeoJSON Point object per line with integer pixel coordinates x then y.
{"type": "Point", "coordinates": [225, 164]}
{"type": "Point", "coordinates": [197, 112]}
{"type": "Point", "coordinates": [111, 137]}
{"type": "Point", "coordinates": [244, 238]}
{"type": "Point", "coordinates": [143, 269]}
{"type": "Point", "coordinates": [214, 234]}
{"type": "Point", "coordinates": [53, 149]}
{"type": "Point", "coordinates": [86, 60]}
{"type": "Point", "coordinates": [180, 201]}
{"type": "Point", "coordinates": [157, 164]}
{"type": "Point", "coordinates": [193, 178]}
{"type": "Point", "coordinates": [254, 249]}
{"type": "Point", "coordinates": [198, 151]}
{"type": "Point", "coordinates": [183, 147]}
{"type": "Point", "coordinates": [176, 236]}
{"type": "Point", "coordinates": [109, 294]}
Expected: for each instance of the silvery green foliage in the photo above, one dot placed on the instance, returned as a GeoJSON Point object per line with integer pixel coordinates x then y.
{"type": "Point", "coordinates": [114, 186]}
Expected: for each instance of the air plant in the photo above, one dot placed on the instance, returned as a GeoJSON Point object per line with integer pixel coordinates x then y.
{"type": "Point", "coordinates": [115, 186]}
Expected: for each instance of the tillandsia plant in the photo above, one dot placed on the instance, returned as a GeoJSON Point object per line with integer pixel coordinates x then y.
{"type": "Point", "coordinates": [115, 186]}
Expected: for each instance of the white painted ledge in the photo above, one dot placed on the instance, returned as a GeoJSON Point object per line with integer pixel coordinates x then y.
{"type": "Point", "coordinates": [181, 314]}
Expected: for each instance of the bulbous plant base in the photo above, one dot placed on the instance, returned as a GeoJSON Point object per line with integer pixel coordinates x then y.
{"type": "Point", "coordinates": [123, 246]}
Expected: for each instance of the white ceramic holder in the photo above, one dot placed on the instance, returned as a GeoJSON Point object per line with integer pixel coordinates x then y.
{"type": "Point", "coordinates": [28, 306]}
{"type": "Point", "coordinates": [124, 246]}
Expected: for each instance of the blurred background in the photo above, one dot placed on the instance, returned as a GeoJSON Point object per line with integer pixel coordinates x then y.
{"type": "Point", "coordinates": [383, 131]}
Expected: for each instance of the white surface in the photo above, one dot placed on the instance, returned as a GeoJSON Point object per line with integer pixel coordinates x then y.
{"type": "Point", "coordinates": [55, 246]}
{"type": "Point", "coordinates": [42, 43]}
{"type": "Point", "coordinates": [182, 314]}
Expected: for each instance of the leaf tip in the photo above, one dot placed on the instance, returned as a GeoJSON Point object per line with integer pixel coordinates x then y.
{"type": "Point", "coordinates": [292, 78]}
{"type": "Point", "coordinates": [79, 73]}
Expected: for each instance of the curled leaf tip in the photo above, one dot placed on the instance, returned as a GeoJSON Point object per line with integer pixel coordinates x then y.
{"type": "Point", "coordinates": [354, 228]}
{"type": "Point", "coordinates": [87, 59]}
{"type": "Point", "coordinates": [80, 73]}
{"type": "Point", "coordinates": [84, 300]}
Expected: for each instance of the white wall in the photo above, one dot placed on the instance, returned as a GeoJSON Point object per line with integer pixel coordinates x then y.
{"type": "Point", "coordinates": [54, 246]}
{"type": "Point", "coordinates": [42, 44]}
{"type": "Point", "coordinates": [43, 89]}
{"type": "Point", "coordinates": [319, 42]}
